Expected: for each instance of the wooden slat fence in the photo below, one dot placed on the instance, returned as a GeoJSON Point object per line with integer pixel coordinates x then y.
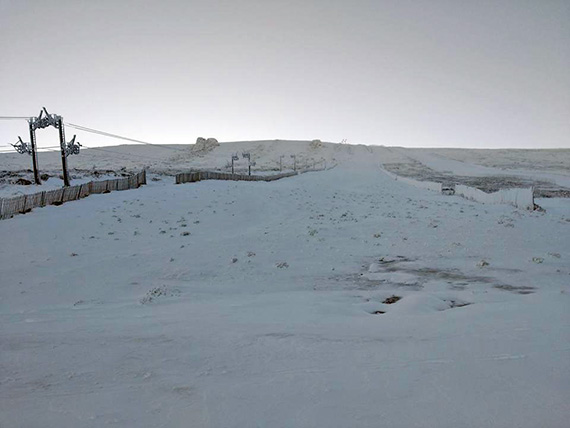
{"type": "Point", "coordinates": [25, 203]}
{"type": "Point", "coordinates": [191, 177]}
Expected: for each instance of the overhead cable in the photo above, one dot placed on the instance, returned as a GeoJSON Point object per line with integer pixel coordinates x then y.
{"type": "Point", "coordinates": [107, 134]}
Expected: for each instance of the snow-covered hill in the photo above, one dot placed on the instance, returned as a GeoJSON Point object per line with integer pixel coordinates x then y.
{"type": "Point", "coordinates": [340, 298]}
{"type": "Point", "coordinates": [546, 169]}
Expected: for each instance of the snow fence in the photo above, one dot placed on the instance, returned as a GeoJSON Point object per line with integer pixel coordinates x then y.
{"type": "Point", "coordinates": [25, 203]}
{"type": "Point", "coordinates": [520, 198]}
{"type": "Point", "coordinates": [191, 177]}
{"type": "Point", "coordinates": [428, 185]}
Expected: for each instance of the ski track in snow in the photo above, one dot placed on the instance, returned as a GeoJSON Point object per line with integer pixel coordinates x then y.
{"type": "Point", "coordinates": [237, 304]}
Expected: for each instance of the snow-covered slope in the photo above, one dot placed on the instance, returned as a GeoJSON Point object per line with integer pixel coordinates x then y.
{"type": "Point", "coordinates": [238, 304]}
{"type": "Point", "coordinates": [424, 164]}
{"type": "Point", "coordinates": [168, 158]}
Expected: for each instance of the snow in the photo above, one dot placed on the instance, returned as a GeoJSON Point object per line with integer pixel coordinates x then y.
{"type": "Point", "coordinates": [544, 165]}
{"type": "Point", "coordinates": [237, 304]}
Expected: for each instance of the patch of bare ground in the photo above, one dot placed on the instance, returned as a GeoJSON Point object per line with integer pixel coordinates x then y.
{"type": "Point", "coordinates": [455, 279]}
{"type": "Point", "coordinates": [522, 289]}
{"type": "Point", "coordinates": [391, 300]}
{"type": "Point", "coordinates": [488, 184]}
{"type": "Point", "coordinates": [457, 304]}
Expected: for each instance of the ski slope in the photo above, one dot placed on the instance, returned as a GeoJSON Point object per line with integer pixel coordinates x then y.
{"type": "Point", "coordinates": [239, 304]}
{"type": "Point", "coordinates": [545, 169]}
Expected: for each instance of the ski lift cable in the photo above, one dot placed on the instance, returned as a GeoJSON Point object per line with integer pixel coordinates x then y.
{"type": "Point", "coordinates": [127, 155]}
{"type": "Point", "coordinates": [120, 153]}
{"type": "Point", "coordinates": [57, 149]}
{"type": "Point", "coordinates": [108, 134]}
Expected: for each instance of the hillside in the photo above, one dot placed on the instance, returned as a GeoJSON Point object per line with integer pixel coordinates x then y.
{"type": "Point", "coordinates": [331, 299]}
{"type": "Point", "coordinates": [548, 170]}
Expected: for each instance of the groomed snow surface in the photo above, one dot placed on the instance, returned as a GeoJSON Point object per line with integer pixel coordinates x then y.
{"type": "Point", "coordinates": [253, 304]}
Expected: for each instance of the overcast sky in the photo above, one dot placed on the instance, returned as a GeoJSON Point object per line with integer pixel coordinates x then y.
{"type": "Point", "coordinates": [457, 73]}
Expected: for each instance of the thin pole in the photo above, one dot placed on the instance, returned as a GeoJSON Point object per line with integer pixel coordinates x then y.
{"type": "Point", "coordinates": [63, 157]}
{"type": "Point", "coordinates": [34, 154]}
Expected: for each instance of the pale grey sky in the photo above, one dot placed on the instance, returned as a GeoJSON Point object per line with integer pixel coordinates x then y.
{"type": "Point", "coordinates": [461, 73]}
